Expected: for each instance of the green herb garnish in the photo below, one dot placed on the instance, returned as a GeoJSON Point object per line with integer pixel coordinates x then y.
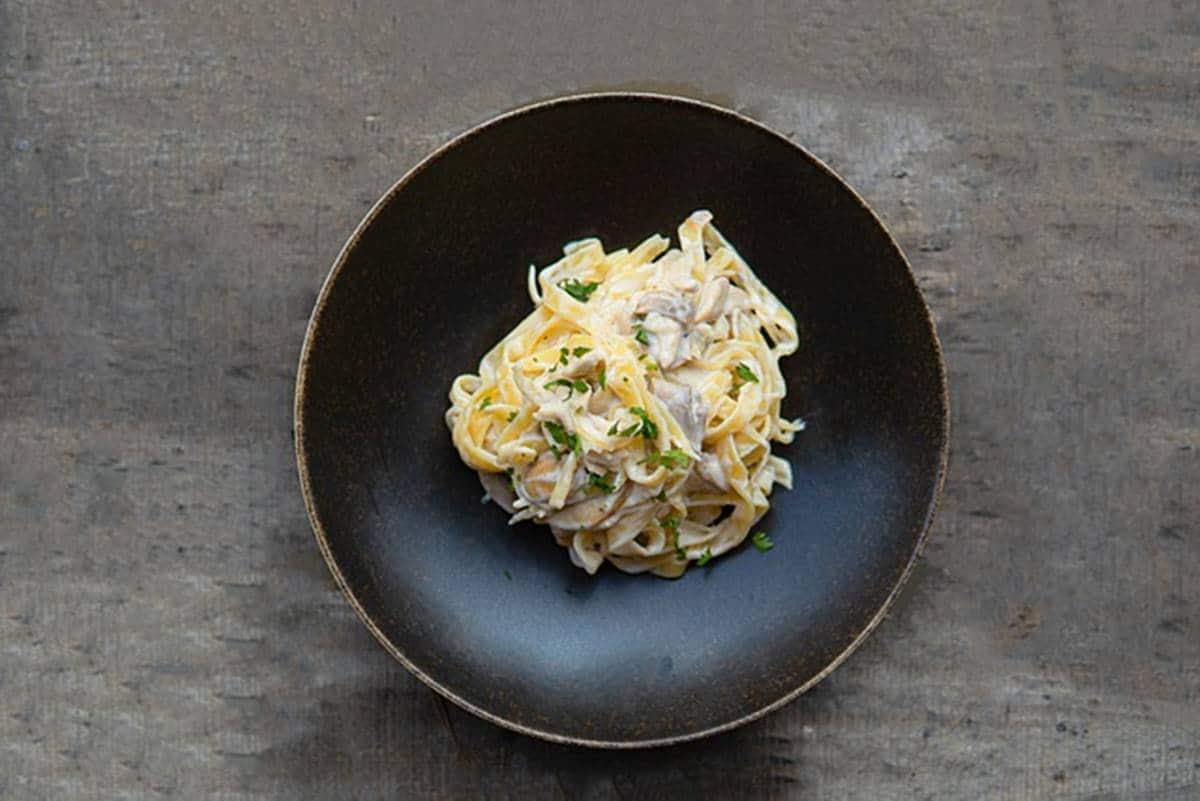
{"type": "Point", "coordinates": [562, 382]}
{"type": "Point", "coordinates": [580, 351]}
{"type": "Point", "coordinates": [633, 429]}
{"type": "Point", "coordinates": [649, 427]}
{"type": "Point", "coordinates": [577, 289]}
{"type": "Point", "coordinates": [704, 558]}
{"type": "Point", "coordinates": [671, 459]}
{"type": "Point", "coordinates": [486, 402]}
{"type": "Point", "coordinates": [601, 378]}
{"type": "Point", "coordinates": [612, 429]}
{"type": "Point", "coordinates": [508, 575]}
{"type": "Point", "coordinates": [661, 497]}
{"type": "Point", "coordinates": [603, 483]}
{"type": "Point", "coordinates": [557, 432]}
{"type": "Point", "coordinates": [640, 335]}
{"type": "Point", "coordinates": [512, 416]}
{"type": "Point", "coordinates": [671, 523]}
{"type": "Point", "coordinates": [762, 542]}
{"type": "Point", "coordinates": [563, 437]}
{"type": "Point", "coordinates": [562, 355]}
{"type": "Point", "coordinates": [508, 471]}
{"type": "Point", "coordinates": [746, 374]}
{"type": "Point", "coordinates": [580, 386]}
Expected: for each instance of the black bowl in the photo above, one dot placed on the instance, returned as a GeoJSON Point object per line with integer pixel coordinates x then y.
{"type": "Point", "coordinates": [495, 618]}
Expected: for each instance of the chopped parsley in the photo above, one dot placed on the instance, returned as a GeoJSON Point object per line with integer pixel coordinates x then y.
{"type": "Point", "coordinates": [661, 497]}
{"type": "Point", "coordinates": [672, 459]}
{"type": "Point", "coordinates": [578, 385]}
{"type": "Point", "coordinates": [640, 335]}
{"type": "Point", "coordinates": [603, 483]}
{"type": "Point", "coordinates": [649, 427]}
{"type": "Point", "coordinates": [557, 432]}
{"type": "Point", "coordinates": [486, 402]}
{"type": "Point", "coordinates": [704, 558]}
{"type": "Point", "coordinates": [562, 355]}
{"type": "Point", "coordinates": [601, 378]}
{"type": "Point", "coordinates": [512, 416]}
{"type": "Point", "coordinates": [562, 382]}
{"type": "Point", "coordinates": [508, 575]}
{"type": "Point", "coordinates": [612, 429]}
{"type": "Point", "coordinates": [670, 523]}
{"type": "Point", "coordinates": [580, 351]}
{"type": "Point", "coordinates": [561, 436]}
{"type": "Point", "coordinates": [633, 429]}
{"type": "Point", "coordinates": [577, 289]}
{"type": "Point", "coordinates": [762, 542]}
{"type": "Point", "coordinates": [651, 367]}
{"type": "Point", "coordinates": [508, 471]}
{"type": "Point", "coordinates": [746, 374]}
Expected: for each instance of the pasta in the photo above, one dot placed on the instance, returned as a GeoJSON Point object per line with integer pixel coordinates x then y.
{"type": "Point", "coordinates": [633, 410]}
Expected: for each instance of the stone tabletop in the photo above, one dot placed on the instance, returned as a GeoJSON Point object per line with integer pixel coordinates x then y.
{"type": "Point", "coordinates": [175, 181]}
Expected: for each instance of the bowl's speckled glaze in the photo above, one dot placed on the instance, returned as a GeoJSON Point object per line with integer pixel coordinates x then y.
{"type": "Point", "coordinates": [496, 618]}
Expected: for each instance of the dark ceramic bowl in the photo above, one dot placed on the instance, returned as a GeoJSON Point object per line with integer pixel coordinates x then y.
{"type": "Point", "coordinates": [495, 618]}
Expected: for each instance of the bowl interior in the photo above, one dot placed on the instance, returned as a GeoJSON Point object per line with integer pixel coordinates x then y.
{"type": "Point", "coordinates": [496, 617]}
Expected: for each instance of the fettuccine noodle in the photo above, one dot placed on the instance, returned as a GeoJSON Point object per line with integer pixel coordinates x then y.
{"type": "Point", "coordinates": [633, 410]}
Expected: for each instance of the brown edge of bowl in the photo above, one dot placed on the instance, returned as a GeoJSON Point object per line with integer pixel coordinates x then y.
{"type": "Point", "coordinates": [319, 531]}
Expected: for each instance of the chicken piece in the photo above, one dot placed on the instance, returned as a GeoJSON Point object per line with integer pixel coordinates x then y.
{"type": "Point", "coordinates": [585, 364]}
{"type": "Point", "coordinates": [601, 403]}
{"type": "Point", "coordinates": [539, 480]}
{"type": "Point", "coordinates": [668, 304]}
{"type": "Point", "coordinates": [712, 300]}
{"type": "Point", "coordinates": [686, 406]}
{"type": "Point", "coordinates": [601, 462]}
{"type": "Point", "coordinates": [711, 470]}
{"type": "Point", "coordinates": [666, 339]}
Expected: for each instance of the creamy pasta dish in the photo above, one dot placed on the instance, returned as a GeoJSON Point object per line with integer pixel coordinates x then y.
{"type": "Point", "coordinates": [633, 410]}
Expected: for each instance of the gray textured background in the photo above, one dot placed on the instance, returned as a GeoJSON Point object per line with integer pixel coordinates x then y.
{"type": "Point", "coordinates": [176, 179]}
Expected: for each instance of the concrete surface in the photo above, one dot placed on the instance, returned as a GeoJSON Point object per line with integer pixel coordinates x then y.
{"type": "Point", "coordinates": [176, 179]}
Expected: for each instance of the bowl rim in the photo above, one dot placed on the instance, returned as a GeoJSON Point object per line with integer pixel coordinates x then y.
{"type": "Point", "coordinates": [319, 530]}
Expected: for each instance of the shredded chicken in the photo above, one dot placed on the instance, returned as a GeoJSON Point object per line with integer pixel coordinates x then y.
{"type": "Point", "coordinates": [666, 340]}
{"type": "Point", "coordinates": [539, 481]}
{"type": "Point", "coordinates": [711, 470]}
{"type": "Point", "coordinates": [667, 304]}
{"type": "Point", "coordinates": [712, 300]}
{"type": "Point", "coordinates": [582, 366]}
{"type": "Point", "coordinates": [686, 406]}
